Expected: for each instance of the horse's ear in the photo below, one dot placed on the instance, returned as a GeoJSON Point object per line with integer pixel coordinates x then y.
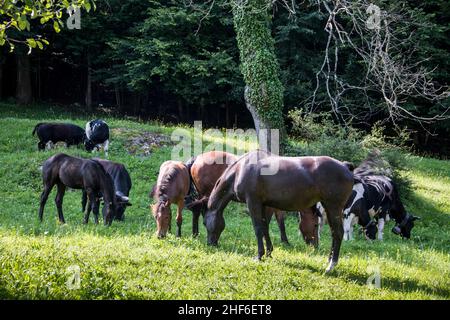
{"type": "Point", "coordinates": [152, 192]}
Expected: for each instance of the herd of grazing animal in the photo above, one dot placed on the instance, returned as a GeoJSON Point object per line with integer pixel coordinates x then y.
{"type": "Point", "coordinates": [320, 189]}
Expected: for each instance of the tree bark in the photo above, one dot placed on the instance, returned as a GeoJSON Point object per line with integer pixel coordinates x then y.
{"type": "Point", "coordinates": [24, 94]}
{"type": "Point", "coordinates": [259, 65]}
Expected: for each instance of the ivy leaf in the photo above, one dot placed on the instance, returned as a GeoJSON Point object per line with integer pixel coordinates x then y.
{"type": "Point", "coordinates": [56, 26]}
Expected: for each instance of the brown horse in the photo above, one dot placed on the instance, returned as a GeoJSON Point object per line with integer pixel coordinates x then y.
{"type": "Point", "coordinates": [309, 226]}
{"type": "Point", "coordinates": [289, 183]}
{"type": "Point", "coordinates": [171, 187]}
{"type": "Point", "coordinates": [205, 169]}
{"type": "Point", "coordinates": [76, 173]}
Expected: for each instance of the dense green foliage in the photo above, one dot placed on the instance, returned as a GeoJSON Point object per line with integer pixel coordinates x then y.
{"type": "Point", "coordinates": [126, 260]}
{"type": "Point", "coordinates": [168, 60]}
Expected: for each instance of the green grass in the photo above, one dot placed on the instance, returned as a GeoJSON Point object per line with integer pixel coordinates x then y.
{"type": "Point", "coordinates": [126, 261]}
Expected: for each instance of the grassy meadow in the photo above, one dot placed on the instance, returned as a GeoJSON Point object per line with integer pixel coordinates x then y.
{"type": "Point", "coordinates": [127, 261]}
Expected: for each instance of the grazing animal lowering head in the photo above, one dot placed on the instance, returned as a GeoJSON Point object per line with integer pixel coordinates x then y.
{"type": "Point", "coordinates": [370, 230]}
{"type": "Point", "coordinates": [405, 226]}
{"type": "Point", "coordinates": [163, 216]}
{"type": "Point", "coordinates": [309, 227]}
{"type": "Point", "coordinates": [122, 203]}
{"type": "Point", "coordinates": [215, 224]}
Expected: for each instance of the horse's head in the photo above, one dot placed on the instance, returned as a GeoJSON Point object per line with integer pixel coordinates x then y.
{"type": "Point", "coordinates": [163, 215]}
{"type": "Point", "coordinates": [214, 223]}
{"type": "Point", "coordinates": [309, 227]}
{"type": "Point", "coordinates": [405, 226]}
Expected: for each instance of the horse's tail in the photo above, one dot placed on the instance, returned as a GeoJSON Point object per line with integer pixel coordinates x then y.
{"type": "Point", "coordinates": [36, 127]}
{"type": "Point", "coordinates": [192, 193]}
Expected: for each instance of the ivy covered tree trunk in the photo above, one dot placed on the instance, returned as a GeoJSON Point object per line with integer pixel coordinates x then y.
{"type": "Point", "coordinates": [259, 65]}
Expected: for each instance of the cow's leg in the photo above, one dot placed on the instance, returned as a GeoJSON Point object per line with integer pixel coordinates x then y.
{"type": "Point", "coordinates": [44, 197]}
{"type": "Point", "coordinates": [195, 217]}
{"type": "Point", "coordinates": [348, 225]}
{"type": "Point", "coordinates": [106, 147]}
{"type": "Point", "coordinates": [279, 216]}
{"type": "Point", "coordinates": [255, 209]}
{"type": "Point", "coordinates": [334, 217]}
{"type": "Point", "coordinates": [380, 228]}
{"type": "Point", "coordinates": [59, 200]}
{"type": "Point", "coordinates": [41, 145]}
{"type": "Point", "coordinates": [180, 206]}
{"type": "Point", "coordinates": [83, 200]}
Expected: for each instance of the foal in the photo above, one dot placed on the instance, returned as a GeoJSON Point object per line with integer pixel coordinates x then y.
{"type": "Point", "coordinates": [171, 187]}
{"type": "Point", "coordinates": [76, 173]}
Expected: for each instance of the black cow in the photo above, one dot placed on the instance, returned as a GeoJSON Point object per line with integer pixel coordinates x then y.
{"type": "Point", "coordinates": [97, 135]}
{"type": "Point", "coordinates": [58, 132]}
{"type": "Point", "coordinates": [122, 185]}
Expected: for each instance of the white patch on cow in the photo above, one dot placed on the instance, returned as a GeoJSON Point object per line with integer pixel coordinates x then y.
{"type": "Point", "coordinates": [380, 228]}
{"type": "Point", "coordinates": [387, 217]}
{"type": "Point", "coordinates": [88, 130]}
{"type": "Point", "coordinates": [49, 145]}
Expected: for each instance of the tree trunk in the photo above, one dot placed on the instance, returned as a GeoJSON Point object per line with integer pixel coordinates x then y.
{"type": "Point", "coordinates": [88, 99]}
{"type": "Point", "coordinates": [1, 79]}
{"type": "Point", "coordinates": [23, 90]}
{"type": "Point", "coordinates": [117, 93]}
{"type": "Point", "coordinates": [180, 110]}
{"type": "Point", "coordinates": [264, 90]}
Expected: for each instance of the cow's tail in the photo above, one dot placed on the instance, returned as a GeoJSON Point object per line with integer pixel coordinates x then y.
{"type": "Point", "coordinates": [36, 127]}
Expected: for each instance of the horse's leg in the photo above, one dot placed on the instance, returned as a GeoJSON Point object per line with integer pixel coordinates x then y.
{"type": "Point", "coordinates": [279, 216]}
{"type": "Point", "coordinates": [334, 217]}
{"type": "Point", "coordinates": [255, 209]}
{"type": "Point", "coordinates": [44, 197]}
{"type": "Point", "coordinates": [95, 209]}
{"type": "Point", "coordinates": [269, 245]}
{"type": "Point", "coordinates": [87, 212]}
{"type": "Point", "coordinates": [195, 217]}
{"type": "Point", "coordinates": [83, 200]}
{"type": "Point", "coordinates": [180, 206]}
{"type": "Point", "coordinates": [59, 200]}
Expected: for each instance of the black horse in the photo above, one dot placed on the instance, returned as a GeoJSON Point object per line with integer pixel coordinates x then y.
{"type": "Point", "coordinates": [66, 171]}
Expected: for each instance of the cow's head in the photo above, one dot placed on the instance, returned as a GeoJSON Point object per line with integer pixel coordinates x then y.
{"type": "Point", "coordinates": [370, 230]}
{"type": "Point", "coordinates": [89, 145]}
{"type": "Point", "coordinates": [405, 226]}
{"type": "Point", "coordinates": [122, 202]}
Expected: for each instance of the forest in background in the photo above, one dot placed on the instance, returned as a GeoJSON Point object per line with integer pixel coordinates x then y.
{"type": "Point", "coordinates": [176, 62]}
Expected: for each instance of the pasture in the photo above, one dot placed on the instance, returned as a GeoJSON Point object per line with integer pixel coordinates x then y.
{"type": "Point", "coordinates": [127, 261]}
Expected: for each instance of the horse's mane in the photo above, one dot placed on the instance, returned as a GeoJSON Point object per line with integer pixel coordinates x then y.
{"type": "Point", "coordinates": [110, 182]}
{"type": "Point", "coordinates": [169, 176]}
{"type": "Point", "coordinates": [229, 168]}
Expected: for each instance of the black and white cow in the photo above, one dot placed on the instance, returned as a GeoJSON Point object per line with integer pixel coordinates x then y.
{"type": "Point", "coordinates": [383, 203]}
{"type": "Point", "coordinates": [355, 212]}
{"type": "Point", "coordinates": [97, 135]}
{"type": "Point", "coordinates": [51, 133]}
{"type": "Point", "coordinates": [122, 185]}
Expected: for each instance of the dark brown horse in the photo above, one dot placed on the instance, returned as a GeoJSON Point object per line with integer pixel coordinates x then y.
{"type": "Point", "coordinates": [288, 183]}
{"type": "Point", "coordinates": [205, 169]}
{"type": "Point", "coordinates": [171, 187]}
{"type": "Point", "coordinates": [76, 173]}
